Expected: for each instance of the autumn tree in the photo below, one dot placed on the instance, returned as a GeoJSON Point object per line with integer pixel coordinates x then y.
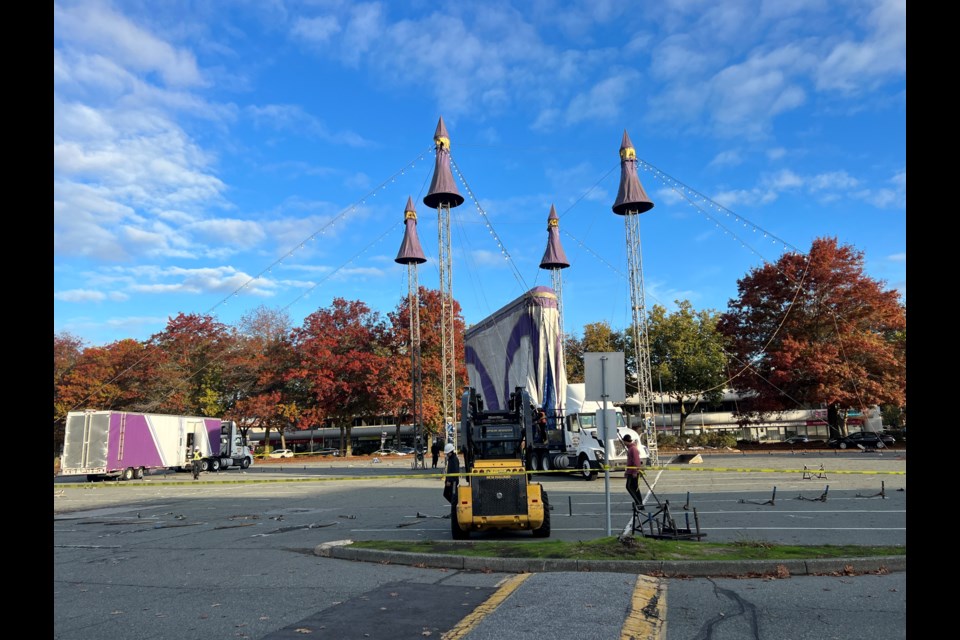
{"type": "Point", "coordinates": [67, 350]}
{"type": "Point", "coordinates": [342, 362]}
{"type": "Point", "coordinates": [814, 329]}
{"type": "Point", "coordinates": [189, 381]}
{"type": "Point", "coordinates": [259, 390]}
{"type": "Point", "coordinates": [687, 358]}
{"type": "Point", "coordinates": [431, 354]}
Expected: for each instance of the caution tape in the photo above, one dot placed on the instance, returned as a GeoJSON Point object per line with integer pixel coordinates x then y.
{"type": "Point", "coordinates": [149, 482]}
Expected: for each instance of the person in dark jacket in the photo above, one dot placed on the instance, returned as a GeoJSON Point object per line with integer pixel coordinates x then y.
{"type": "Point", "coordinates": [435, 450]}
{"type": "Point", "coordinates": [451, 477]}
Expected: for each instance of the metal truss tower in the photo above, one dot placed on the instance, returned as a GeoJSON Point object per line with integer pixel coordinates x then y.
{"type": "Point", "coordinates": [443, 196]}
{"type": "Point", "coordinates": [631, 201]}
{"type": "Point", "coordinates": [411, 254]}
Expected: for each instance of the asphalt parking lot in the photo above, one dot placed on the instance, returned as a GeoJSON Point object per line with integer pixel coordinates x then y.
{"type": "Point", "coordinates": [233, 553]}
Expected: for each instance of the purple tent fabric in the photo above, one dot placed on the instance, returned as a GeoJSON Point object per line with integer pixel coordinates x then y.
{"type": "Point", "coordinates": [631, 198]}
{"type": "Point", "coordinates": [443, 189]}
{"type": "Point", "coordinates": [410, 249]}
{"type": "Point", "coordinates": [554, 257]}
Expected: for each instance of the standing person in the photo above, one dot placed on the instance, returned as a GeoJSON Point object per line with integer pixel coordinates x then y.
{"type": "Point", "coordinates": [540, 420]}
{"type": "Point", "coordinates": [435, 450]}
{"type": "Point", "coordinates": [632, 474]}
{"type": "Point", "coordinates": [196, 462]}
{"type": "Point", "coordinates": [451, 477]}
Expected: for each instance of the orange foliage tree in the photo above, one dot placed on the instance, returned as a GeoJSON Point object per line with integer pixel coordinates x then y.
{"type": "Point", "coordinates": [343, 364]}
{"type": "Point", "coordinates": [814, 329]}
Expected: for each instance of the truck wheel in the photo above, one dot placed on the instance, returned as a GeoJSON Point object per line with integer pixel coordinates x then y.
{"type": "Point", "coordinates": [455, 530]}
{"type": "Point", "coordinates": [215, 464]}
{"type": "Point", "coordinates": [534, 462]}
{"type": "Point", "coordinates": [128, 473]}
{"type": "Point", "coordinates": [204, 465]}
{"type": "Point", "coordinates": [545, 461]}
{"type": "Point", "coordinates": [245, 463]}
{"type": "Point", "coordinates": [586, 470]}
{"type": "Point", "coordinates": [543, 531]}
{"type": "Point", "coordinates": [139, 473]}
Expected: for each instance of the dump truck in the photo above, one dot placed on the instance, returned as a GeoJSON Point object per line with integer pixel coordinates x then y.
{"type": "Point", "coordinates": [126, 445]}
{"type": "Point", "coordinates": [497, 492]}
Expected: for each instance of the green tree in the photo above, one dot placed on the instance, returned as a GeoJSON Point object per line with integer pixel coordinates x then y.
{"type": "Point", "coordinates": [687, 359]}
{"type": "Point", "coordinates": [598, 337]}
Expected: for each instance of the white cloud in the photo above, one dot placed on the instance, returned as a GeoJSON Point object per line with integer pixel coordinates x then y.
{"type": "Point", "coordinates": [318, 30]}
{"type": "Point", "coordinates": [782, 180]}
{"type": "Point", "coordinates": [240, 234]}
{"type": "Point", "coordinates": [729, 158]}
{"type": "Point", "coordinates": [852, 65]}
{"type": "Point", "coordinates": [604, 100]}
{"type": "Point", "coordinates": [96, 27]}
{"type": "Point", "coordinates": [833, 180]}
{"type": "Point", "coordinates": [80, 295]}
{"type": "Point", "coordinates": [294, 119]}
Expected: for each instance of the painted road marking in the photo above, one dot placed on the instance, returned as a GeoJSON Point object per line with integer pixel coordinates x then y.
{"type": "Point", "coordinates": [466, 625]}
{"type": "Point", "coordinates": [647, 618]}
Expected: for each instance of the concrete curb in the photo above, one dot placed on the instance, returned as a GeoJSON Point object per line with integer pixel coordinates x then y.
{"type": "Point", "coordinates": [343, 550]}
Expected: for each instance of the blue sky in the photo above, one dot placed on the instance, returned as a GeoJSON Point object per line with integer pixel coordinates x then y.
{"type": "Point", "coordinates": [215, 157]}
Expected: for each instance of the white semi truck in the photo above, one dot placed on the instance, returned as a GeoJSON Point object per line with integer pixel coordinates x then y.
{"type": "Point", "coordinates": [520, 345]}
{"type": "Point", "coordinates": [122, 444]}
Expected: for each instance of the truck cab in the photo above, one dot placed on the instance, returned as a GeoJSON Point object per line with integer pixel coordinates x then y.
{"type": "Point", "coordinates": [583, 447]}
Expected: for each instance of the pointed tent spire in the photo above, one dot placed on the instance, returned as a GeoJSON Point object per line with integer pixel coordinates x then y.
{"type": "Point", "coordinates": [410, 250]}
{"type": "Point", "coordinates": [443, 189]}
{"type": "Point", "coordinates": [554, 257]}
{"type": "Point", "coordinates": [631, 197]}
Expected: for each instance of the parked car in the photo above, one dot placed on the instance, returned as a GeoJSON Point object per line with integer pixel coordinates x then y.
{"type": "Point", "coordinates": [407, 450]}
{"type": "Point", "coordinates": [281, 453]}
{"type": "Point", "coordinates": [866, 439]}
{"type": "Point", "coordinates": [387, 452]}
{"type": "Point", "coordinates": [801, 440]}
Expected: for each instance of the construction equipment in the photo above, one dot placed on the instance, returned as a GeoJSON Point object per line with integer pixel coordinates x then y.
{"type": "Point", "coordinates": [497, 492]}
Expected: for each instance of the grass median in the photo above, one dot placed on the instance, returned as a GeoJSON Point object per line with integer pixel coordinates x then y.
{"type": "Point", "coordinates": [633, 548]}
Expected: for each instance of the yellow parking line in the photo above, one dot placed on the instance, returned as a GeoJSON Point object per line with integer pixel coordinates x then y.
{"type": "Point", "coordinates": [647, 618]}
{"type": "Point", "coordinates": [467, 625]}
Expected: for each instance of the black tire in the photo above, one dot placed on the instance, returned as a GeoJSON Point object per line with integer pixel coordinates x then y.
{"type": "Point", "coordinates": [204, 465]}
{"type": "Point", "coordinates": [245, 463]}
{"type": "Point", "coordinates": [455, 531]}
{"type": "Point", "coordinates": [843, 445]}
{"type": "Point", "coordinates": [534, 462]}
{"type": "Point", "coordinates": [129, 473]}
{"type": "Point", "coordinates": [139, 472]}
{"type": "Point", "coordinates": [543, 531]}
{"type": "Point", "coordinates": [215, 464]}
{"type": "Point", "coordinates": [545, 461]}
{"type": "Point", "coordinates": [587, 471]}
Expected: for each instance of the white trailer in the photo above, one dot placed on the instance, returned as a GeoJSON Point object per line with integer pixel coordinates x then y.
{"type": "Point", "coordinates": [103, 444]}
